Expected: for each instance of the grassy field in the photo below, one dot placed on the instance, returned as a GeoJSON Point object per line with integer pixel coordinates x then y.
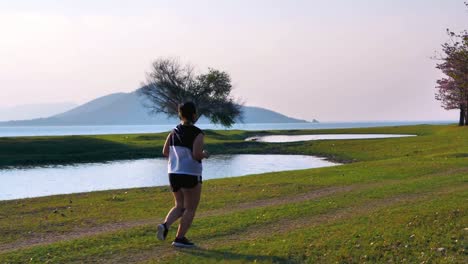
{"type": "Point", "coordinates": [401, 200]}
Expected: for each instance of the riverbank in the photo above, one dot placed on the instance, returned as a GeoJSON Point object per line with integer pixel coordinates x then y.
{"type": "Point", "coordinates": [31, 131]}
{"type": "Point", "coordinates": [401, 199]}
{"type": "Point", "coordinates": [60, 150]}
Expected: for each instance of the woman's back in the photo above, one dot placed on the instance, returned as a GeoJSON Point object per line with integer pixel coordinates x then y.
{"type": "Point", "coordinates": [181, 159]}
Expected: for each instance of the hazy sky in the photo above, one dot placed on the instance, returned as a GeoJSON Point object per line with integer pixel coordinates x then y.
{"type": "Point", "coordinates": [334, 60]}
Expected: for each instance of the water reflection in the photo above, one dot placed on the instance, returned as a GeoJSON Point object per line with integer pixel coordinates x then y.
{"type": "Point", "coordinates": [43, 181]}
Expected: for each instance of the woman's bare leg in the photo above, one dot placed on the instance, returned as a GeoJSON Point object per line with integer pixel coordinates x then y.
{"type": "Point", "coordinates": [177, 211]}
{"type": "Point", "coordinates": [191, 200]}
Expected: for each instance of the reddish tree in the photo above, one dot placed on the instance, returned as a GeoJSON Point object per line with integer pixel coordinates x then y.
{"type": "Point", "coordinates": [451, 97]}
{"type": "Point", "coordinates": [453, 89]}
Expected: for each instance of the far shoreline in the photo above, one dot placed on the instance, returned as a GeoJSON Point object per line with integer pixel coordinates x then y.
{"type": "Point", "coordinates": [105, 130]}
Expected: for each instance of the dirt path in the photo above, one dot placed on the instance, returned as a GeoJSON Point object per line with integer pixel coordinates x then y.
{"type": "Point", "coordinates": [282, 226]}
{"type": "Point", "coordinates": [44, 239]}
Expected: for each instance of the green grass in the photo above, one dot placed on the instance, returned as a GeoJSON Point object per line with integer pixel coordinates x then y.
{"type": "Point", "coordinates": [429, 231]}
{"type": "Point", "coordinates": [399, 200]}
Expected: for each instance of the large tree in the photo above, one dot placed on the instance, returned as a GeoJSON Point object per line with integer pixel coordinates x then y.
{"type": "Point", "coordinates": [452, 90]}
{"type": "Point", "coordinates": [169, 83]}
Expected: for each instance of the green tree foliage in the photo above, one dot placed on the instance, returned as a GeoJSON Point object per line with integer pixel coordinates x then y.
{"type": "Point", "coordinates": [169, 83]}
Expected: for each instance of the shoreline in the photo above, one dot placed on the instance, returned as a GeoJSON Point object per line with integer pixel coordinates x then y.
{"type": "Point", "coordinates": [27, 152]}
{"type": "Point", "coordinates": [83, 130]}
{"type": "Point", "coordinates": [91, 177]}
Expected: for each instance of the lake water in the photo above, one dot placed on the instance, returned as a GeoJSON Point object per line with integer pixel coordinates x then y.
{"type": "Point", "coordinates": [297, 138]}
{"type": "Point", "coordinates": [43, 181]}
{"type": "Point", "coordinates": [99, 130]}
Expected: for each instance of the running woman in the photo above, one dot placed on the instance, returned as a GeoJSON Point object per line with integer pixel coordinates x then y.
{"type": "Point", "coordinates": [184, 148]}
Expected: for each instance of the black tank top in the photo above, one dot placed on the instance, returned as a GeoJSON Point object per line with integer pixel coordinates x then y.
{"type": "Point", "coordinates": [181, 160]}
{"type": "Point", "coordinates": [184, 136]}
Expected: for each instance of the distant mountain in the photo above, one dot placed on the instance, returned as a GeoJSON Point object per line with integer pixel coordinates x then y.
{"type": "Point", "coordinates": [128, 109]}
{"type": "Point", "coordinates": [30, 111]}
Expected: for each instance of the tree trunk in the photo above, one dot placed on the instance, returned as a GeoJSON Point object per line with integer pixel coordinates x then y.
{"type": "Point", "coordinates": [466, 111]}
{"type": "Point", "coordinates": [462, 116]}
{"type": "Point", "coordinates": [466, 115]}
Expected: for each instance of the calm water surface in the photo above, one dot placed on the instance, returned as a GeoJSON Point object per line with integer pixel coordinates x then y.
{"type": "Point", "coordinates": [296, 138]}
{"type": "Point", "coordinates": [43, 181]}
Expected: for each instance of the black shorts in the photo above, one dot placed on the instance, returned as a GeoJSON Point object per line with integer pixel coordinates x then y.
{"type": "Point", "coordinates": [178, 181]}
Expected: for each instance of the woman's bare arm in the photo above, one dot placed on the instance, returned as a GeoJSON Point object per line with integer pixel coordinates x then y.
{"type": "Point", "coordinates": [165, 151]}
{"type": "Point", "coordinates": [198, 145]}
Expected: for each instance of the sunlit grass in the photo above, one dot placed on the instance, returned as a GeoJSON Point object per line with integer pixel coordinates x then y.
{"type": "Point", "coordinates": [405, 202]}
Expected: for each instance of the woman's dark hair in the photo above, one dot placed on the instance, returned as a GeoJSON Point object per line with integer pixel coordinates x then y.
{"type": "Point", "coordinates": [187, 110]}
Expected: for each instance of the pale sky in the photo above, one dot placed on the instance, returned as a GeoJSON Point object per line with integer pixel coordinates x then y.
{"type": "Point", "coordinates": [334, 60]}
